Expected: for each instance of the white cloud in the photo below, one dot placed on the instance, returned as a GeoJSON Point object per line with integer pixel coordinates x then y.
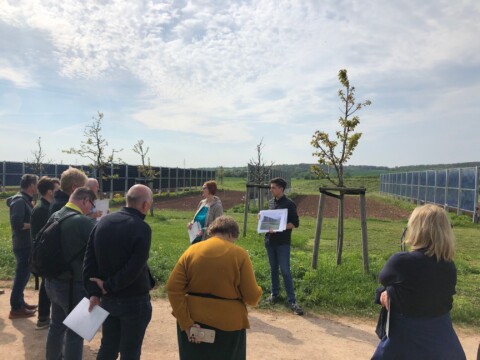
{"type": "Point", "coordinates": [227, 70]}
{"type": "Point", "coordinates": [20, 78]}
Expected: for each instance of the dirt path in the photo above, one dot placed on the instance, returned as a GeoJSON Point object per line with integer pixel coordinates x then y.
{"type": "Point", "coordinates": [273, 335]}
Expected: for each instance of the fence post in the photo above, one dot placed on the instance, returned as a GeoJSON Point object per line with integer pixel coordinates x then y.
{"type": "Point", "coordinates": [126, 179]}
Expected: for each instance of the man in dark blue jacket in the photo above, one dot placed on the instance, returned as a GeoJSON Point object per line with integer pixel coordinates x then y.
{"type": "Point", "coordinates": [20, 212]}
{"type": "Point", "coordinates": [115, 270]}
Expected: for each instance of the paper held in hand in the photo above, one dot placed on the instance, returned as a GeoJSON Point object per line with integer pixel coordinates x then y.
{"type": "Point", "coordinates": [103, 206]}
{"type": "Point", "coordinates": [275, 220]}
{"type": "Point", "coordinates": [194, 231]}
{"type": "Point", "coordinates": [85, 323]}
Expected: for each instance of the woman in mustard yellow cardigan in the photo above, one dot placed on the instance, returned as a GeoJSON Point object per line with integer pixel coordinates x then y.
{"type": "Point", "coordinates": [209, 288]}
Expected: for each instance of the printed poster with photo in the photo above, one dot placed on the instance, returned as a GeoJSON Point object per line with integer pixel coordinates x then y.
{"type": "Point", "coordinates": [274, 220]}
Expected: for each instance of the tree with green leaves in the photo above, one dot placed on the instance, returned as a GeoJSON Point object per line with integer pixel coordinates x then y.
{"type": "Point", "coordinates": [330, 157]}
{"type": "Point", "coordinates": [146, 171]}
{"type": "Point", "coordinates": [327, 153]}
{"type": "Point", "coordinates": [94, 148]}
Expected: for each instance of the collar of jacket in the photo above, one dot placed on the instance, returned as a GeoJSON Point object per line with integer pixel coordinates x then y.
{"type": "Point", "coordinates": [134, 211]}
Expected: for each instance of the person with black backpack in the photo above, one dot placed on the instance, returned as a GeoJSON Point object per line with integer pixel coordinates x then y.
{"type": "Point", "coordinates": [65, 289]}
{"type": "Point", "coordinates": [46, 186]}
{"type": "Point", "coordinates": [20, 211]}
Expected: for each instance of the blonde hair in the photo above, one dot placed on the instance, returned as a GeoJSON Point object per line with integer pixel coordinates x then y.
{"type": "Point", "coordinates": [72, 178]}
{"type": "Point", "coordinates": [429, 228]}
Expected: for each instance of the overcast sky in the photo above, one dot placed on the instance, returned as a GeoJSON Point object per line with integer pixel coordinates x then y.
{"type": "Point", "coordinates": [202, 82]}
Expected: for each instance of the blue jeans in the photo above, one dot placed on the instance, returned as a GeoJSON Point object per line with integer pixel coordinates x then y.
{"type": "Point", "coordinates": [124, 328]}
{"type": "Point", "coordinates": [279, 257]}
{"type": "Point", "coordinates": [22, 274]}
{"type": "Point", "coordinates": [61, 340]}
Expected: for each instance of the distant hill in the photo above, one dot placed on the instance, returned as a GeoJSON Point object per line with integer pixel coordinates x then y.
{"type": "Point", "coordinates": [302, 171]}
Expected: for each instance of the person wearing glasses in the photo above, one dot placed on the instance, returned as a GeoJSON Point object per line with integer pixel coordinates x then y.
{"type": "Point", "coordinates": [418, 288]}
{"type": "Point", "coordinates": [66, 290]}
{"type": "Point", "coordinates": [208, 210]}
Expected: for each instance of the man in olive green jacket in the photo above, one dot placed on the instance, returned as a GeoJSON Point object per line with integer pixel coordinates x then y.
{"type": "Point", "coordinates": [66, 290]}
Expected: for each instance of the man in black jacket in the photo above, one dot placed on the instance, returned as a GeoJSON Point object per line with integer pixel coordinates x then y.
{"type": "Point", "coordinates": [115, 270]}
{"type": "Point", "coordinates": [20, 211]}
{"type": "Point", "coordinates": [46, 186]}
{"type": "Point", "coordinates": [277, 245]}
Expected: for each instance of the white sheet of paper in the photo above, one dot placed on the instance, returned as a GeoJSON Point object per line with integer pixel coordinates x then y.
{"type": "Point", "coordinates": [103, 206]}
{"type": "Point", "coordinates": [192, 233]}
{"type": "Point", "coordinates": [275, 220]}
{"type": "Point", "coordinates": [85, 323]}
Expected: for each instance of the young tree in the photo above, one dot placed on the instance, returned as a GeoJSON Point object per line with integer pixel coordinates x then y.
{"type": "Point", "coordinates": [38, 161]}
{"type": "Point", "coordinates": [327, 154]}
{"type": "Point", "coordinates": [260, 169]}
{"type": "Point", "coordinates": [95, 149]}
{"type": "Point", "coordinates": [145, 170]}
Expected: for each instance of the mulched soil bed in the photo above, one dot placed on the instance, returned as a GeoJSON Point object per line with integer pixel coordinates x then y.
{"type": "Point", "coordinates": [307, 205]}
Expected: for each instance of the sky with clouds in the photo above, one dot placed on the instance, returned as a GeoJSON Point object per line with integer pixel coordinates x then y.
{"type": "Point", "coordinates": [203, 82]}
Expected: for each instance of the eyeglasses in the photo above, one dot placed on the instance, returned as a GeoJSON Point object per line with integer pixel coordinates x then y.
{"type": "Point", "coordinates": [91, 202]}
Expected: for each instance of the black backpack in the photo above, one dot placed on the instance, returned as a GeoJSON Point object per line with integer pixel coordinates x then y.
{"type": "Point", "coordinates": [46, 258]}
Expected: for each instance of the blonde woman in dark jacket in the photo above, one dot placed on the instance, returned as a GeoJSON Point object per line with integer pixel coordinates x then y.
{"type": "Point", "coordinates": [208, 210]}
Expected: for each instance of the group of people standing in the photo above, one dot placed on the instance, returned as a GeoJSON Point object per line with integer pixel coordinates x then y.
{"type": "Point", "coordinates": [214, 279]}
{"type": "Point", "coordinates": [108, 263]}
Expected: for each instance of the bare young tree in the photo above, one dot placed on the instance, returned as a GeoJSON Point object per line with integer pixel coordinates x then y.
{"type": "Point", "coordinates": [146, 170]}
{"type": "Point", "coordinates": [38, 162]}
{"type": "Point", "coordinates": [95, 149]}
{"type": "Point", "coordinates": [326, 152]}
{"type": "Point", "coordinates": [261, 169]}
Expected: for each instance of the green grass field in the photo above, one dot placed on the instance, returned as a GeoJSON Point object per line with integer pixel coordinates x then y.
{"type": "Point", "coordinates": [343, 289]}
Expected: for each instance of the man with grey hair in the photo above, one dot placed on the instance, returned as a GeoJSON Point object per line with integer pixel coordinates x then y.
{"type": "Point", "coordinates": [66, 290]}
{"type": "Point", "coordinates": [93, 185]}
{"type": "Point", "coordinates": [115, 270]}
{"type": "Point", "coordinates": [20, 212]}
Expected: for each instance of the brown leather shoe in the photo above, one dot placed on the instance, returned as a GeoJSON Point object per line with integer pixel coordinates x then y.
{"type": "Point", "coordinates": [30, 307]}
{"type": "Point", "coordinates": [21, 313]}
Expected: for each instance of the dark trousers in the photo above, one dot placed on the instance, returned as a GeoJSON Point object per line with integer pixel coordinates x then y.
{"type": "Point", "coordinates": [22, 274]}
{"type": "Point", "coordinates": [63, 343]}
{"type": "Point", "coordinates": [228, 345]}
{"type": "Point", "coordinates": [124, 328]}
{"type": "Point", "coordinates": [43, 303]}
{"type": "Point", "coordinates": [279, 258]}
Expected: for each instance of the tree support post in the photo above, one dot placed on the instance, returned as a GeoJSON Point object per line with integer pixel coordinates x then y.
{"type": "Point", "coordinates": [341, 211]}
{"type": "Point", "coordinates": [363, 218]}
{"type": "Point", "coordinates": [318, 231]}
{"type": "Point", "coordinates": [245, 212]}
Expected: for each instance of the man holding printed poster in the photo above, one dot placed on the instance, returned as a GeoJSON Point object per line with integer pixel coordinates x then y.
{"type": "Point", "coordinates": [277, 245]}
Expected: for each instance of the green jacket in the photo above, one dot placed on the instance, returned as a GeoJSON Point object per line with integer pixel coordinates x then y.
{"type": "Point", "coordinates": [75, 233]}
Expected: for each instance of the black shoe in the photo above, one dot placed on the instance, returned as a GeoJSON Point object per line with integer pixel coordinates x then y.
{"type": "Point", "coordinates": [42, 324]}
{"type": "Point", "coordinates": [297, 310]}
{"type": "Point", "coordinates": [272, 299]}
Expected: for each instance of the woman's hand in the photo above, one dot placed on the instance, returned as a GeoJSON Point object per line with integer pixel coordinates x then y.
{"type": "Point", "coordinates": [384, 300]}
{"type": "Point", "coordinates": [192, 338]}
{"type": "Point", "coordinates": [189, 226]}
